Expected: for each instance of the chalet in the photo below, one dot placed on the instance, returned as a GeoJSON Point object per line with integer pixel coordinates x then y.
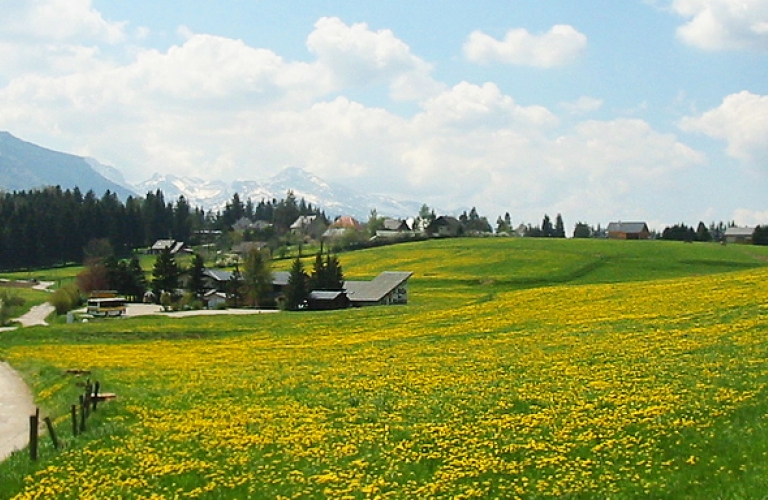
{"type": "Point", "coordinates": [308, 225]}
{"type": "Point", "coordinates": [628, 231]}
{"type": "Point", "coordinates": [347, 222]}
{"type": "Point", "coordinates": [739, 235]}
{"type": "Point", "coordinates": [445, 226]}
{"type": "Point", "coordinates": [387, 288]}
{"type": "Point", "coordinates": [395, 229]}
{"type": "Point", "coordinates": [162, 245]}
{"type": "Point", "coordinates": [216, 279]}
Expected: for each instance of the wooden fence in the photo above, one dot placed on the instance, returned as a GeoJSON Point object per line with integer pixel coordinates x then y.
{"type": "Point", "coordinates": [87, 405]}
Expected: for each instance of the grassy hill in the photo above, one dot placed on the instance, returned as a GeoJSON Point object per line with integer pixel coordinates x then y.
{"type": "Point", "coordinates": [520, 368]}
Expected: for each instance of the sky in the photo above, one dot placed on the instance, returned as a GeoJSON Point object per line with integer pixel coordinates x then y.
{"type": "Point", "coordinates": [652, 110]}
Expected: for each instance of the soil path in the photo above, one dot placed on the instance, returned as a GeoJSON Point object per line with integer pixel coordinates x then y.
{"type": "Point", "coordinates": [16, 405]}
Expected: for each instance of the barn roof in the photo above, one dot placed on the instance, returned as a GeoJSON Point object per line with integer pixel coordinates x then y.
{"type": "Point", "coordinates": [627, 227]}
{"type": "Point", "coordinates": [740, 231]}
{"type": "Point", "coordinates": [374, 291]}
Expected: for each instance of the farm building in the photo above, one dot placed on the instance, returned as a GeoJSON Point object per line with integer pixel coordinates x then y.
{"type": "Point", "coordinates": [161, 245]}
{"type": "Point", "coordinates": [739, 235]}
{"type": "Point", "coordinates": [389, 287]}
{"type": "Point", "coordinates": [628, 231]}
{"type": "Point", "coordinates": [444, 225]}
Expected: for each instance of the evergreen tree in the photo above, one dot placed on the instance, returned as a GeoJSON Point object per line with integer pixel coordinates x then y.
{"type": "Point", "coordinates": [582, 230]}
{"type": "Point", "coordinates": [165, 274]}
{"type": "Point", "coordinates": [296, 292]}
{"type": "Point", "coordinates": [559, 231]}
{"type": "Point", "coordinates": [760, 236]}
{"type": "Point", "coordinates": [137, 280]}
{"type": "Point", "coordinates": [702, 233]}
{"type": "Point", "coordinates": [546, 227]}
{"type": "Point", "coordinates": [197, 276]}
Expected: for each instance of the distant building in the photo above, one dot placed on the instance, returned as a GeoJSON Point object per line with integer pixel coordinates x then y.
{"type": "Point", "coordinates": [161, 245]}
{"type": "Point", "coordinates": [444, 225]}
{"type": "Point", "coordinates": [389, 287]}
{"type": "Point", "coordinates": [308, 225]}
{"type": "Point", "coordinates": [628, 231]}
{"type": "Point", "coordinates": [739, 235]}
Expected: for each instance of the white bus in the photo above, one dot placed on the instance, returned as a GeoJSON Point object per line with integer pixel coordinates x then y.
{"type": "Point", "coordinates": [106, 306]}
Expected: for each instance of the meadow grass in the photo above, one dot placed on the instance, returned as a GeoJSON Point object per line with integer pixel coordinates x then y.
{"type": "Point", "coordinates": [527, 369]}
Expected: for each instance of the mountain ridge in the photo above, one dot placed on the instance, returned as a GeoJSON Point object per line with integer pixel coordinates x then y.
{"type": "Point", "coordinates": [26, 166]}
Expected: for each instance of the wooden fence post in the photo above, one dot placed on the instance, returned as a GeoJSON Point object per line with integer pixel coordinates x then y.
{"type": "Point", "coordinates": [95, 394]}
{"type": "Point", "coordinates": [33, 436]}
{"type": "Point", "coordinates": [51, 432]}
{"type": "Point", "coordinates": [74, 419]}
{"type": "Point", "coordinates": [82, 413]}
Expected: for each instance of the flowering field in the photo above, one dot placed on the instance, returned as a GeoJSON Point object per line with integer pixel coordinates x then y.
{"type": "Point", "coordinates": [616, 390]}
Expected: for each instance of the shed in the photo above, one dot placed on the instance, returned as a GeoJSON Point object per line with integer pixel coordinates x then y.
{"type": "Point", "coordinates": [628, 231]}
{"type": "Point", "coordinates": [326, 300]}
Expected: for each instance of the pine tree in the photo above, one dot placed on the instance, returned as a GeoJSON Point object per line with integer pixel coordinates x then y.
{"type": "Point", "coordinates": [296, 292]}
{"type": "Point", "coordinates": [165, 274]}
{"type": "Point", "coordinates": [196, 276]}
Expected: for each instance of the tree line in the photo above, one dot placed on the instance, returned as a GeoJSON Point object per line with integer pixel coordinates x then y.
{"type": "Point", "coordinates": [50, 227]}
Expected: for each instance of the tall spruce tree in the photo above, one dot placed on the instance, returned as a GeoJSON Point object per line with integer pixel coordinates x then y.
{"type": "Point", "coordinates": [165, 274]}
{"type": "Point", "coordinates": [297, 291]}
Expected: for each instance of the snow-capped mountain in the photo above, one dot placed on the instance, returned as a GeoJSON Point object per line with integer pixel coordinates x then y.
{"type": "Point", "coordinates": [333, 199]}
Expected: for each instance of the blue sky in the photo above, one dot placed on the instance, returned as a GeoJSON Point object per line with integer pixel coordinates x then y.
{"type": "Point", "coordinates": [651, 110]}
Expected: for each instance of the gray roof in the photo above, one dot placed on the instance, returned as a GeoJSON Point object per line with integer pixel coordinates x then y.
{"type": "Point", "coordinates": [163, 244]}
{"type": "Point", "coordinates": [280, 278]}
{"type": "Point", "coordinates": [740, 231]}
{"type": "Point", "coordinates": [218, 274]}
{"type": "Point", "coordinates": [325, 294]}
{"type": "Point", "coordinates": [374, 291]}
{"type": "Point", "coordinates": [627, 227]}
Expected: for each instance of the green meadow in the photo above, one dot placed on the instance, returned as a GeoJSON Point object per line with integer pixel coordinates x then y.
{"type": "Point", "coordinates": [521, 368]}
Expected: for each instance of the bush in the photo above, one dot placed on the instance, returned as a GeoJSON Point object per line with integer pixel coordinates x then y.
{"type": "Point", "coordinates": [66, 298]}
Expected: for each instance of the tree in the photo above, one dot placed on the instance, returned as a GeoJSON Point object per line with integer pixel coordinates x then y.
{"type": "Point", "coordinates": [136, 282]}
{"type": "Point", "coordinates": [559, 231]}
{"type": "Point", "coordinates": [702, 233]}
{"type": "Point", "coordinates": [760, 236]}
{"type": "Point", "coordinates": [582, 230]}
{"type": "Point", "coordinates": [296, 292]}
{"type": "Point", "coordinates": [235, 288]}
{"type": "Point", "coordinates": [327, 273]}
{"type": "Point", "coordinates": [257, 278]}
{"type": "Point", "coordinates": [546, 227]}
{"type": "Point", "coordinates": [165, 274]}
{"type": "Point", "coordinates": [197, 276]}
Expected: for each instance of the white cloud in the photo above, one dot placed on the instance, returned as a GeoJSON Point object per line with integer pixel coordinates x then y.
{"type": "Point", "coordinates": [560, 45]}
{"type": "Point", "coordinates": [217, 108]}
{"type": "Point", "coordinates": [358, 57]}
{"type": "Point", "coordinates": [57, 20]}
{"type": "Point", "coordinates": [583, 105]}
{"type": "Point", "coordinates": [723, 24]}
{"type": "Point", "coordinates": [741, 120]}
{"type": "Point", "coordinates": [751, 218]}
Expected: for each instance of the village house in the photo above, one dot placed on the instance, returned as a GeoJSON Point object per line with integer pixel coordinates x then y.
{"type": "Point", "coordinates": [445, 226]}
{"type": "Point", "coordinates": [742, 235]}
{"type": "Point", "coordinates": [309, 226]}
{"type": "Point", "coordinates": [394, 229]}
{"type": "Point", "coordinates": [628, 231]}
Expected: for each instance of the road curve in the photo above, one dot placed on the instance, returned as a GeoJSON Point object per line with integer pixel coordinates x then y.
{"type": "Point", "coordinates": [16, 405]}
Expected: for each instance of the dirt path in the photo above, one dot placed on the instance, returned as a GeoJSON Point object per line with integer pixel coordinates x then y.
{"type": "Point", "coordinates": [36, 316]}
{"type": "Point", "coordinates": [16, 405]}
